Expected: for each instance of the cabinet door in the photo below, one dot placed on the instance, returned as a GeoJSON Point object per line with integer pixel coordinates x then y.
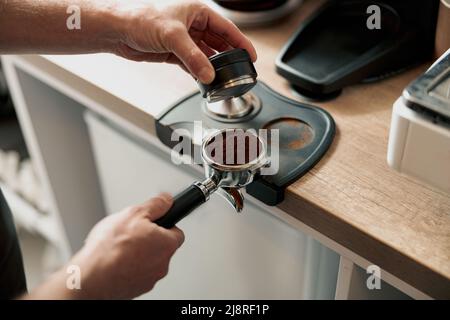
{"type": "Point", "coordinates": [251, 255]}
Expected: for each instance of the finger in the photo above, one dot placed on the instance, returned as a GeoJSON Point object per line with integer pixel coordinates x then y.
{"type": "Point", "coordinates": [213, 41]}
{"type": "Point", "coordinates": [156, 207]}
{"type": "Point", "coordinates": [216, 42]}
{"type": "Point", "coordinates": [226, 30]}
{"type": "Point", "coordinates": [161, 57]}
{"type": "Point", "coordinates": [129, 53]}
{"type": "Point", "coordinates": [136, 55]}
{"type": "Point", "coordinates": [206, 49]}
{"type": "Point", "coordinates": [175, 234]}
{"type": "Point", "coordinates": [182, 45]}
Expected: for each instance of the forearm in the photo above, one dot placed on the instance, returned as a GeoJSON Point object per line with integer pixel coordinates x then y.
{"type": "Point", "coordinates": [60, 285]}
{"type": "Point", "coordinates": [41, 26]}
{"type": "Point", "coordinates": [53, 288]}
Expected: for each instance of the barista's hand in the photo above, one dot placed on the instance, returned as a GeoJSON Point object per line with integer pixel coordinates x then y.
{"type": "Point", "coordinates": [185, 34]}
{"type": "Point", "coordinates": [124, 256]}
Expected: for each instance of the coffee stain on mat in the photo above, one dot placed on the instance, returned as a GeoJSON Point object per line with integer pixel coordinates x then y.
{"type": "Point", "coordinates": [294, 133]}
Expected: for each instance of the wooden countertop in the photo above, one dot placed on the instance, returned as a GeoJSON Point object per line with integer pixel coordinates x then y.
{"type": "Point", "coordinates": [351, 196]}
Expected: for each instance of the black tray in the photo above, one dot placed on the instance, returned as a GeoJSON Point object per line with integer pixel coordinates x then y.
{"type": "Point", "coordinates": [334, 48]}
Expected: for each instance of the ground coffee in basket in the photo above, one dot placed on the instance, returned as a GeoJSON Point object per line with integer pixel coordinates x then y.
{"type": "Point", "coordinates": [234, 148]}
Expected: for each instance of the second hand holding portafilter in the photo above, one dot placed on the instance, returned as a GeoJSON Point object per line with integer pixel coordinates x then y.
{"type": "Point", "coordinates": [235, 75]}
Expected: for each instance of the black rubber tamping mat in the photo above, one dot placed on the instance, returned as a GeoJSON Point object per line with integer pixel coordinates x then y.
{"type": "Point", "coordinates": [335, 47]}
{"type": "Point", "coordinates": [305, 134]}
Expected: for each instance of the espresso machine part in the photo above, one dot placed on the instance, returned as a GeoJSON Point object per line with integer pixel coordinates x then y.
{"type": "Point", "coordinates": [419, 138]}
{"type": "Point", "coordinates": [226, 177]}
{"type": "Point", "coordinates": [430, 93]}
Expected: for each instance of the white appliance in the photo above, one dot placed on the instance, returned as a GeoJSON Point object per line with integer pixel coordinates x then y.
{"type": "Point", "coordinates": [419, 140]}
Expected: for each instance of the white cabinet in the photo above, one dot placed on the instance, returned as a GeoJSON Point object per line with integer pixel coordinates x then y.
{"type": "Point", "coordinates": [251, 255]}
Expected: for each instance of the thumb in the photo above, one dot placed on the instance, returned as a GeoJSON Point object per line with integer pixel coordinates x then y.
{"type": "Point", "coordinates": [156, 207]}
{"type": "Point", "coordinates": [176, 235]}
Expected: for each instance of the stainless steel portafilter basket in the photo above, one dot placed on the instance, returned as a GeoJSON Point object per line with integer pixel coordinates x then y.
{"type": "Point", "coordinates": [231, 158]}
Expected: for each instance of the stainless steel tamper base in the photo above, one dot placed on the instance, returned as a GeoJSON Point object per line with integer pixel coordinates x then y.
{"type": "Point", "coordinates": [233, 109]}
{"type": "Point", "coordinates": [231, 88]}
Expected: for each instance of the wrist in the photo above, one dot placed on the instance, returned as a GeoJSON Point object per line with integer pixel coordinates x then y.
{"type": "Point", "coordinates": [106, 18]}
{"type": "Point", "coordinates": [130, 19]}
{"type": "Point", "coordinates": [84, 267]}
{"type": "Point", "coordinates": [74, 281]}
{"type": "Point", "coordinates": [55, 288]}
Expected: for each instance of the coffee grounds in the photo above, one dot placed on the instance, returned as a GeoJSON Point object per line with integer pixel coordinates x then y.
{"type": "Point", "coordinates": [234, 148]}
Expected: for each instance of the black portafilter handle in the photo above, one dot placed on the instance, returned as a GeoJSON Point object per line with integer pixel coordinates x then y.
{"type": "Point", "coordinates": [183, 204]}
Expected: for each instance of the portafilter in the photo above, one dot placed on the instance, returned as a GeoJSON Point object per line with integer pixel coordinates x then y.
{"type": "Point", "coordinates": [231, 159]}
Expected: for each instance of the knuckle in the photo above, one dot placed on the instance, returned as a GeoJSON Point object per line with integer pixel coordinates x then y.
{"type": "Point", "coordinates": [129, 211]}
{"type": "Point", "coordinates": [172, 31]}
{"type": "Point", "coordinates": [158, 201]}
{"type": "Point", "coordinates": [194, 4]}
{"type": "Point", "coordinates": [199, 7]}
{"type": "Point", "coordinates": [163, 270]}
{"type": "Point", "coordinates": [158, 204]}
{"type": "Point", "coordinates": [134, 209]}
{"type": "Point", "coordinates": [201, 12]}
{"type": "Point", "coordinates": [170, 246]}
{"type": "Point", "coordinates": [173, 246]}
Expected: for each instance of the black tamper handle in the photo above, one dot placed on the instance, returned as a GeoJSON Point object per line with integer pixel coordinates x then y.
{"type": "Point", "coordinates": [229, 65]}
{"type": "Point", "coordinates": [183, 204]}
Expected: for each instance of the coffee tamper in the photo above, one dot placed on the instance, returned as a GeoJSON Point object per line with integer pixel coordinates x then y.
{"type": "Point", "coordinates": [227, 98]}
